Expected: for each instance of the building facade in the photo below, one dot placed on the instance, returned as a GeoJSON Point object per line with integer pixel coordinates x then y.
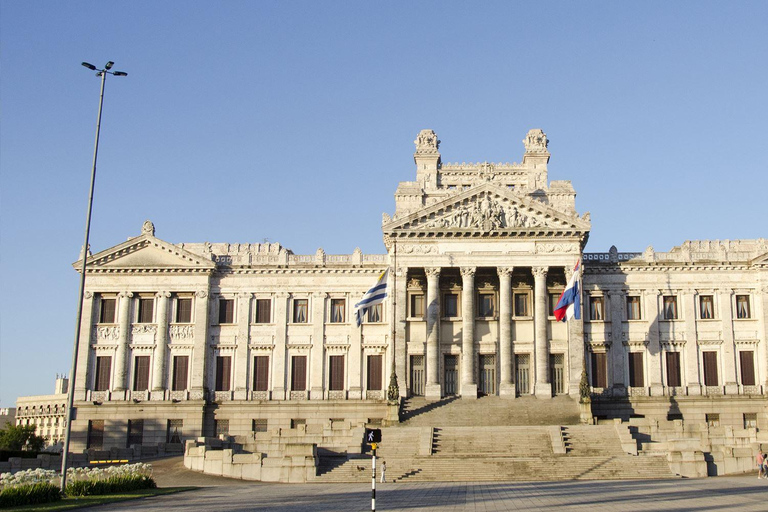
{"type": "Point", "coordinates": [47, 413]}
{"type": "Point", "coordinates": [189, 339]}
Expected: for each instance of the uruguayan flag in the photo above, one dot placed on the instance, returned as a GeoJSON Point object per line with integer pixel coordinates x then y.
{"type": "Point", "coordinates": [375, 295]}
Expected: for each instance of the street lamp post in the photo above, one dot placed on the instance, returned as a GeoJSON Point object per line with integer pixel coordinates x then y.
{"type": "Point", "coordinates": [72, 374]}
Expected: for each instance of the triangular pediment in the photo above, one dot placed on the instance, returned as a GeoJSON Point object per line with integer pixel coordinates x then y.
{"type": "Point", "coordinates": [147, 252]}
{"type": "Point", "coordinates": [487, 210]}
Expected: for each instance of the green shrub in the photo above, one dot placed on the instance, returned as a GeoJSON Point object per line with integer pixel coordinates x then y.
{"type": "Point", "coordinates": [113, 484]}
{"type": "Point", "coordinates": [28, 494]}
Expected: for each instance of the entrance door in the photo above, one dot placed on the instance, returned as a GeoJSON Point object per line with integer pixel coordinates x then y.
{"type": "Point", "coordinates": [451, 374]}
{"type": "Point", "coordinates": [487, 374]}
{"type": "Point", "coordinates": [557, 373]}
{"type": "Point", "coordinates": [417, 375]}
{"type": "Point", "coordinates": [522, 363]}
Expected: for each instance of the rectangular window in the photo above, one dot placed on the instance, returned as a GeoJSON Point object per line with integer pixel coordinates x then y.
{"type": "Point", "coordinates": [95, 434]}
{"type": "Point", "coordinates": [103, 371]}
{"type": "Point", "coordinates": [599, 370]}
{"type": "Point", "coordinates": [706, 307]}
{"type": "Point", "coordinates": [141, 373]}
{"type": "Point", "coordinates": [554, 298]}
{"type": "Point", "coordinates": [263, 311]}
{"type": "Point", "coordinates": [299, 373]}
{"type": "Point", "coordinates": [226, 311]}
{"type": "Point", "coordinates": [636, 370]}
{"type": "Point", "coordinates": [750, 420]}
{"type": "Point", "coordinates": [486, 305]}
{"type": "Point", "coordinates": [146, 307]}
{"type": "Point", "coordinates": [336, 373]}
{"type": "Point", "coordinates": [223, 372]}
{"type": "Point", "coordinates": [596, 311]}
{"type": "Point", "coordinates": [633, 308]}
{"type": "Point", "coordinates": [374, 373]}
{"type": "Point", "coordinates": [300, 311]}
{"type": "Point", "coordinates": [374, 313]}
{"type": "Point", "coordinates": [521, 304]}
{"type": "Point", "coordinates": [450, 305]}
{"type": "Point", "coordinates": [135, 433]}
{"type": "Point", "coordinates": [259, 425]}
{"type": "Point", "coordinates": [747, 360]}
{"type": "Point", "coordinates": [108, 311]}
{"type": "Point", "coordinates": [742, 306]}
{"type": "Point", "coordinates": [221, 427]}
{"type": "Point", "coordinates": [670, 307]}
{"type": "Point", "coordinates": [713, 419]}
{"type": "Point", "coordinates": [180, 369]}
{"type": "Point", "coordinates": [673, 369]}
{"type": "Point", "coordinates": [183, 311]}
{"type": "Point", "coordinates": [174, 431]}
{"type": "Point", "coordinates": [338, 308]}
{"type": "Point", "coordinates": [710, 368]}
{"type": "Point", "coordinates": [261, 373]}
{"type": "Point", "coordinates": [417, 306]}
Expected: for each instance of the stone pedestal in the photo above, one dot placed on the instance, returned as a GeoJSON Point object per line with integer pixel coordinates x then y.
{"type": "Point", "coordinates": [434, 392]}
{"type": "Point", "coordinates": [507, 390]}
{"type": "Point", "coordinates": [543, 390]}
{"type": "Point", "coordinates": [469, 391]}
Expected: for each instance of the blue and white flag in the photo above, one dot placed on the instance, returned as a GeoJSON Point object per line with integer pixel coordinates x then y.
{"type": "Point", "coordinates": [569, 305]}
{"type": "Point", "coordinates": [375, 295]}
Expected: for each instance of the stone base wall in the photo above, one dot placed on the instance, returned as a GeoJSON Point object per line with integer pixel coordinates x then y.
{"type": "Point", "coordinates": [297, 464]}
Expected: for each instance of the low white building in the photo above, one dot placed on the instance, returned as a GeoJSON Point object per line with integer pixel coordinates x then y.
{"type": "Point", "coordinates": [47, 413]}
{"type": "Point", "coordinates": [189, 339]}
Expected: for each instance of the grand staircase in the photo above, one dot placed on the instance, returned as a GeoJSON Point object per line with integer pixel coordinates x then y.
{"type": "Point", "coordinates": [492, 439]}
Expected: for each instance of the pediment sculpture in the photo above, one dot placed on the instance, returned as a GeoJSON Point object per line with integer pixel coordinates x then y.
{"type": "Point", "coordinates": [486, 215]}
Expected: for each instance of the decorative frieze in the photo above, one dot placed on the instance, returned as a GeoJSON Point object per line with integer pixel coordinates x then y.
{"type": "Point", "coordinates": [181, 332]}
{"type": "Point", "coordinates": [106, 333]}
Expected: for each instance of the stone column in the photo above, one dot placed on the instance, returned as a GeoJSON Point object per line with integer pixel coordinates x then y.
{"type": "Point", "coordinates": [619, 381]}
{"type": "Point", "coordinates": [355, 358]}
{"type": "Point", "coordinates": [401, 348]}
{"type": "Point", "coordinates": [506, 356]}
{"type": "Point", "coordinates": [317, 356]}
{"type": "Point", "coordinates": [198, 371]}
{"type": "Point", "coordinates": [120, 382]}
{"type": "Point", "coordinates": [468, 381]}
{"type": "Point", "coordinates": [729, 347]}
{"type": "Point", "coordinates": [760, 313]}
{"type": "Point", "coordinates": [576, 356]}
{"type": "Point", "coordinates": [687, 312]}
{"type": "Point", "coordinates": [159, 375]}
{"type": "Point", "coordinates": [279, 354]}
{"type": "Point", "coordinates": [241, 362]}
{"type": "Point", "coordinates": [84, 351]}
{"type": "Point", "coordinates": [650, 308]}
{"type": "Point", "coordinates": [433, 389]}
{"type": "Point", "coordinates": [543, 388]}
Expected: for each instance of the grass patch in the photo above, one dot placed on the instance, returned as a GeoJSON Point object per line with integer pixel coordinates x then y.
{"type": "Point", "coordinates": [71, 503]}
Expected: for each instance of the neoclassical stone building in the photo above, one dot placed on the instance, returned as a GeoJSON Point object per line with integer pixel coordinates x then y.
{"type": "Point", "coordinates": [189, 339]}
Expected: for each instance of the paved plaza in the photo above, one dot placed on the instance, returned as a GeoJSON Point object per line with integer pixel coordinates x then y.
{"type": "Point", "coordinates": [743, 493]}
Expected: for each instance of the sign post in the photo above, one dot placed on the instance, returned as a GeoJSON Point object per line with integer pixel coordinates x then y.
{"type": "Point", "coordinates": [373, 437]}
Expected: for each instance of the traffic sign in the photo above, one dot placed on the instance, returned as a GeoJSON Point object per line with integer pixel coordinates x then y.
{"type": "Point", "coordinates": [372, 435]}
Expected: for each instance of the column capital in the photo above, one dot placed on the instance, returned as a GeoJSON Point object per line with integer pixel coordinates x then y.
{"type": "Point", "coordinates": [282, 295]}
{"type": "Point", "coordinates": [163, 294]}
{"type": "Point", "coordinates": [125, 295]}
{"type": "Point", "coordinates": [505, 271]}
{"type": "Point", "coordinates": [88, 295]}
{"type": "Point", "coordinates": [539, 272]}
{"type": "Point", "coordinates": [432, 271]}
{"type": "Point", "coordinates": [245, 295]}
{"type": "Point", "coordinates": [201, 294]}
{"type": "Point", "coordinates": [468, 271]}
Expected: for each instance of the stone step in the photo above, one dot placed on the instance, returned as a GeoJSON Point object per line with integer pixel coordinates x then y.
{"type": "Point", "coordinates": [503, 468]}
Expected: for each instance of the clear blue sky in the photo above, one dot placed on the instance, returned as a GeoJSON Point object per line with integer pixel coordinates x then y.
{"type": "Point", "coordinates": [294, 121]}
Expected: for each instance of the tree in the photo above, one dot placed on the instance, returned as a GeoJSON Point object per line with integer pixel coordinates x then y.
{"type": "Point", "coordinates": [15, 438]}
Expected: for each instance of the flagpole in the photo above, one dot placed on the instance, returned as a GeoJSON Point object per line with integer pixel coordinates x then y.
{"type": "Point", "coordinates": [393, 391]}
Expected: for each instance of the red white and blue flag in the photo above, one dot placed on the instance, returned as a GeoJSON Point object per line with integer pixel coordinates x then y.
{"type": "Point", "coordinates": [569, 304]}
